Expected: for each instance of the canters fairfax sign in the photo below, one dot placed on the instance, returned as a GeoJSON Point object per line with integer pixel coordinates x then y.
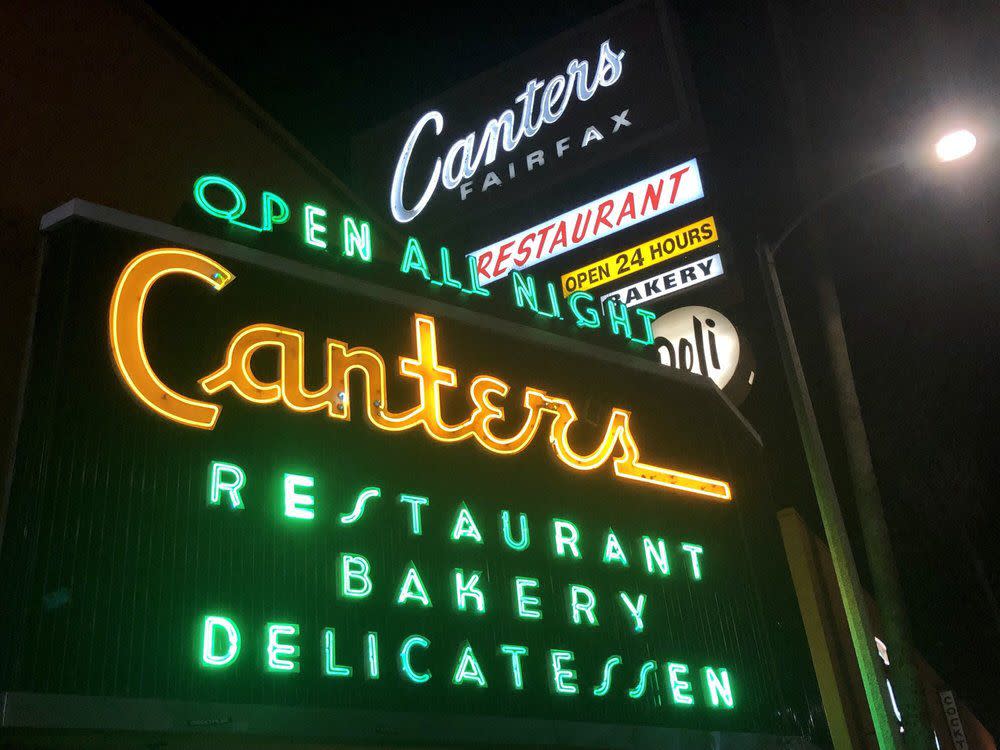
{"type": "Point", "coordinates": [590, 98]}
{"type": "Point", "coordinates": [541, 103]}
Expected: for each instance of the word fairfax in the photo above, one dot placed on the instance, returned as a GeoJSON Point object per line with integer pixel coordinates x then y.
{"type": "Point", "coordinates": [287, 345]}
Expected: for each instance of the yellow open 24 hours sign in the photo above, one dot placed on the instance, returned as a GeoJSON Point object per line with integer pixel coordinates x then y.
{"type": "Point", "coordinates": [657, 250]}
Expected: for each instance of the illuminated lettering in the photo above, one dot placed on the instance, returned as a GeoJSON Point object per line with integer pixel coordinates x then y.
{"type": "Point", "coordinates": [416, 502]}
{"type": "Point", "coordinates": [527, 605]}
{"type": "Point", "coordinates": [298, 504]}
{"type": "Point", "coordinates": [287, 345]}
{"type": "Point", "coordinates": [355, 576]}
{"type": "Point", "coordinates": [468, 588]}
{"type": "Point", "coordinates": [211, 627]}
{"type": "Point", "coordinates": [313, 228]}
{"type": "Point", "coordinates": [412, 588]}
{"type": "Point", "coordinates": [465, 527]}
{"type": "Point", "coordinates": [406, 666]}
{"type": "Point", "coordinates": [581, 604]}
{"type": "Point", "coordinates": [515, 653]}
{"type": "Point", "coordinates": [505, 532]}
{"type": "Point", "coordinates": [635, 609]}
{"type": "Point", "coordinates": [357, 239]}
{"type": "Point", "coordinates": [718, 688]}
{"type": "Point", "coordinates": [229, 479]}
{"type": "Point", "coordinates": [282, 657]}
{"type": "Point", "coordinates": [642, 682]}
{"type": "Point", "coordinates": [371, 656]}
{"type": "Point", "coordinates": [694, 550]}
{"type": "Point", "coordinates": [601, 690]}
{"type": "Point", "coordinates": [613, 552]}
{"type": "Point", "coordinates": [656, 556]}
{"type": "Point", "coordinates": [680, 689]}
{"type": "Point", "coordinates": [330, 666]}
{"type": "Point", "coordinates": [368, 493]}
{"type": "Point", "coordinates": [467, 668]}
{"type": "Point", "coordinates": [565, 534]}
{"type": "Point", "coordinates": [563, 678]}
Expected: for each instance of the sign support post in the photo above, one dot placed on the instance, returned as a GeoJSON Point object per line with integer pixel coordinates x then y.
{"type": "Point", "coordinates": [858, 618]}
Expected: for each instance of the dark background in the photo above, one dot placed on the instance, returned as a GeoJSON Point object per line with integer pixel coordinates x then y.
{"type": "Point", "coordinates": [795, 97]}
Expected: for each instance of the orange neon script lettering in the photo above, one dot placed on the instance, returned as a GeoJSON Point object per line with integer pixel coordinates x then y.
{"type": "Point", "coordinates": [334, 397]}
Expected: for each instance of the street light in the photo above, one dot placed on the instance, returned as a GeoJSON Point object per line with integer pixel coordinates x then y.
{"type": "Point", "coordinates": [888, 594]}
{"type": "Point", "coordinates": [955, 145]}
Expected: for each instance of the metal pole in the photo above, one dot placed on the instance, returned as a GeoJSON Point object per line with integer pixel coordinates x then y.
{"type": "Point", "coordinates": [851, 593]}
{"type": "Point", "coordinates": [874, 531]}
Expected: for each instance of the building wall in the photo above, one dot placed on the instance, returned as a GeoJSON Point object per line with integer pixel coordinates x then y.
{"type": "Point", "coordinates": [101, 100]}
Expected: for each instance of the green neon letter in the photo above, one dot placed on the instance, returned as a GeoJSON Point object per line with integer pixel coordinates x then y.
{"type": "Point", "coordinates": [415, 502]}
{"type": "Point", "coordinates": [413, 258]}
{"type": "Point", "coordinates": [468, 589]}
{"type": "Point", "coordinates": [508, 538]}
{"type": "Point", "coordinates": [357, 239]}
{"type": "Point", "coordinates": [718, 688]}
{"type": "Point", "coordinates": [467, 669]}
{"type": "Point", "coordinates": [360, 505]}
{"type": "Point", "coordinates": [226, 478]}
{"type": "Point", "coordinates": [647, 329]}
{"type": "Point", "coordinates": [640, 686]}
{"type": "Point", "coordinates": [635, 609]}
{"type": "Point", "coordinates": [446, 278]}
{"type": "Point", "coordinates": [527, 606]}
{"type": "Point", "coordinates": [563, 679]}
{"type": "Point", "coordinates": [211, 625]}
{"type": "Point", "coordinates": [694, 550]}
{"type": "Point", "coordinates": [269, 217]}
{"type": "Point", "coordinates": [297, 504]}
{"type": "Point", "coordinates": [618, 320]}
{"type": "Point", "coordinates": [524, 291]}
{"type": "Point", "coordinates": [355, 576]}
{"type": "Point", "coordinates": [404, 659]}
{"type": "Point", "coordinates": [314, 228]}
{"type": "Point", "coordinates": [371, 655]}
{"type": "Point", "coordinates": [582, 599]}
{"type": "Point", "coordinates": [330, 666]}
{"type": "Point", "coordinates": [465, 527]}
{"type": "Point", "coordinates": [276, 651]}
{"type": "Point", "coordinates": [588, 317]}
{"type": "Point", "coordinates": [565, 534]}
{"type": "Point", "coordinates": [413, 589]}
{"type": "Point", "coordinates": [239, 200]}
{"type": "Point", "coordinates": [601, 690]}
{"type": "Point", "coordinates": [515, 653]}
{"type": "Point", "coordinates": [613, 552]}
{"type": "Point", "coordinates": [474, 285]}
{"type": "Point", "coordinates": [657, 553]}
{"type": "Point", "coordinates": [680, 689]}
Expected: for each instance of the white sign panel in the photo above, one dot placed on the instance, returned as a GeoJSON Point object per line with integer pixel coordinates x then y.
{"type": "Point", "coordinates": [599, 218]}
{"type": "Point", "coordinates": [699, 340]}
{"type": "Point", "coordinates": [951, 715]}
{"type": "Point", "coordinates": [668, 282]}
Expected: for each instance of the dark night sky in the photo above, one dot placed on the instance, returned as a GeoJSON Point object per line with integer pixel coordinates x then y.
{"type": "Point", "coordinates": [915, 255]}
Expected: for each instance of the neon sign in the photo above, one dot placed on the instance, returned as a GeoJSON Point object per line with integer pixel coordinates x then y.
{"type": "Point", "coordinates": [334, 398]}
{"type": "Point", "coordinates": [223, 640]}
{"type": "Point", "coordinates": [465, 156]}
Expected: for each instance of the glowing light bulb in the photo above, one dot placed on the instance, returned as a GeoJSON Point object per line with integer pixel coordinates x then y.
{"type": "Point", "coordinates": [955, 145]}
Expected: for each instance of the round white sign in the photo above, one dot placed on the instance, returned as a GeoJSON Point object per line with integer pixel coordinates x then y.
{"type": "Point", "coordinates": [699, 340]}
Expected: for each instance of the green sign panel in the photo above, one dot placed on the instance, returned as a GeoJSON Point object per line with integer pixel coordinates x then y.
{"type": "Point", "coordinates": [242, 481]}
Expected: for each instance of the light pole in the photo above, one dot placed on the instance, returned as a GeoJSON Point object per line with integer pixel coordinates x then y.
{"type": "Point", "coordinates": [888, 594]}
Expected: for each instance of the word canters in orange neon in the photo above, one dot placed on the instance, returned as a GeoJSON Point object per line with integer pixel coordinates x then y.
{"type": "Point", "coordinates": [333, 398]}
